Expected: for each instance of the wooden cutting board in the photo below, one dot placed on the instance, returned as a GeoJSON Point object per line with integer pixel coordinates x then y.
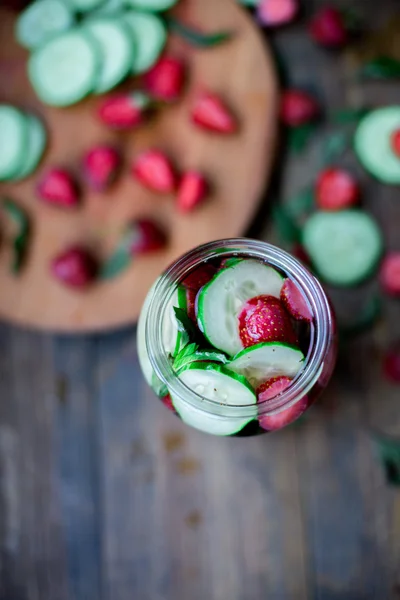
{"type": "Point", "coordinates": [241, 71]}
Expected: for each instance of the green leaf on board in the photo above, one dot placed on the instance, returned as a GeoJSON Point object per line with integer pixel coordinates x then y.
{"type": "Point", "coordinates": [249, 2]}
{"type": "Point", "coordinates": [348, 116]}
{"type": "Point", "coordinates": [335, 146]}
{"type": "Point", "coordinates": [389, 453]}
{"type": "Point", "coordinates": [22, 236]}
{"type": "Point", "coordinates": [117, 263]}
{"type": "Point", "coordinates": [287, 229]}
{"type": "Point", "coordinates": [300, 136]}
{"type": "Point", "coordinates": [197, 38]}
{"type": "Point", "coordinates": [383, 67]}
{"type": "Point", "coordinates": [301, 204]}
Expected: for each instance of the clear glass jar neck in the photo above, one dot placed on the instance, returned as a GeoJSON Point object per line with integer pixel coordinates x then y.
{"type": "Point", "coordinates": [246, 248]}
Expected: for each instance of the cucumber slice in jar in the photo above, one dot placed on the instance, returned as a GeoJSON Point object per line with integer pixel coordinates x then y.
{"type": "Point", "coordinates": [41, 20]}
{"type": "Point", "coordinates": [13, 137]}
{"type": "Point", "coordinates": [152, 5]}
{"type": "Point", "coordinates": [264, 361]}
{"type": "Point", "coordinates": [36, 145]}
{"type": "Point", "coordinates": [344, 246]}
{"type": "Point", "coordinates": [220, 385]}
{"type": "Point", "coordinates": [64, 70]}
{"type": "Point", "coordinates": [116, 51]}
{"type": "Point", "coordinates": [221, 300]}
{"type": "Point", "coordinates": [149, 35]}
{"type": "Point", "coordinates": [373, 144]}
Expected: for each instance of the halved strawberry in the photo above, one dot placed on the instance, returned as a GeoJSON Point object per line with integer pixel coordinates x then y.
{"type": "Point", "coordinates": [123, 111]}
{"type": "Point", "coordinates": [192, 191]}
{"type": "Point", "coordinates": [395, 140]}
{"type": "Point", "coordinates": [277, 12]}
{"type": "Point", "coordinates": [166, 79]}
{"type": "Point", "coordinates": [199, 277]}
{"type": "Point", "coordinates": [168, 403]}
{"type": "Point", "coordinates": [75, 267]}
{"type": "Point", "coordinates": [153, 169]}
{"type": "Point", "coordinates": [264, 319]}
{"type": "Point", "coordinates": [294, 302]}
{"type": "Point", "coordinates": [298, 108]}
{"type": "Point", "coordinates": [101, 165]}
{"type": "Point", "coordinates": [209, 112]}
{"type": "Point", "coordinates": [390, 273]}
{"type": "Point", "coordinates": [391, 364]}
{"type": "Point", "coordinates": [328, 28]}
{"type": "Point", "coordinates": [336, 189]}
{"type": "Point", "coordinates": [58, 187]}
{"type": "Point", "coordinates": [145, 236]}
{"type": "Point", "coordinates": [268, 391]}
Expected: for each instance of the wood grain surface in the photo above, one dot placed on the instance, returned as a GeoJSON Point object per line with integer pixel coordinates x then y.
{"type": "Point", "coordinates": [238, 168]}
{"type": "Point", "coordinates": [105, 495]}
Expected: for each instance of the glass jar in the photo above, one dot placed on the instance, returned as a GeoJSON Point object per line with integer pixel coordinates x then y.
{"type": "Point", "coordinates": [223, 418]}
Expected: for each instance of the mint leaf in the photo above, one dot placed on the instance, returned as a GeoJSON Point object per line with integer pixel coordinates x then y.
{"type": "Point", "coordinates": [185, 325]}
{"type": "Point", "coordinates": [212, 356]}
{"type": "Point", "coordinates": [389, 454]}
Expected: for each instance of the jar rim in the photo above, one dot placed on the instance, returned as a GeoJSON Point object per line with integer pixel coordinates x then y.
{"type": "Point", "coordinates": [274, 256]}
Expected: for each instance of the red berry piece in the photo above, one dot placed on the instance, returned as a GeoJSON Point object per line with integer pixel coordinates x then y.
{"type": "Point", "coordinates": [395, 141]}
{"type": "Point", "coordinates": [153, 169]}
{"type": "Point", "coordinates": [74, 267]}
{"type": "Point", "coordinates": [269, 390]}
{"type": "Point", "coordinates": [390, 274]}
{"type": "Point", "coordinates": [57, 187]}
{"type": "Point", "coordinates": [123, 111]}
{"type": "Point", "coordinates": [168, 402]}
{"type": "Point", "coordinates": [210, 113]}
{"type": "Point", "coordinates": [294, 302]}
{"type": "Point", "coordinates": [298, 108]}
{"type": "Point", "coordinates": [327, 28]}
{"type": "Point", "coordinates": [391, 364]}
{"type": "Point", "coordinates": [192, 191]}
{"type": "Point", "coordinates": [264, 319]}
{"type": "Point", "coordinates": [145, 237]}
{"type": "Point", "coordinates": [336, 189]}
{"type": "Point", "coordinates": [101, 165]}
{"type": "Point", "coordinates": [193, 284]}
{"type": "Point", "coordinates": [166, 79]}
{"type": "Point", "coordinates": [274, 13]}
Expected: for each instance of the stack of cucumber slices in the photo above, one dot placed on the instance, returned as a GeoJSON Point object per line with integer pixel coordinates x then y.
{"type": "Point", "coordinates": [80, 47]}
{"type": "Point", "coordinates": [213, 362]}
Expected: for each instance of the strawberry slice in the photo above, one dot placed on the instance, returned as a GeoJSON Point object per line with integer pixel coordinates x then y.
{"type": "Point", "coordinates": [395, 142]}
{"type": "Point", "coordinates": [264, 319]}
{"type": "Point", "coordinates": [274, 13]}
{"type": "Point", "coordinates": [390, 274]}
{"type": "Point", "coordinates": [298, 108]}
{"type": "Point", "coordinates": [192, 191]}
{"type": "Point", "coordinates": [328, 28]}
{"type": "Point", "coordinates": [123, 111]}
{"type": "Point", "coordinates": [294, 302]}
{"type": "Point", "coordinates": [75, 267]}
{"type": "Point", "coordinates": [166, 79]}
{"type": "Point", "coordinates": [168, 403]}
{"type": "Point", "coordinates": [391, 364]}
{"type": "Point", "coordinates": [336, 189]}
{"type": "Point", "coordinates": [210, 113]}
{"type": "Point", "coordinates": [269, 390]}
{"type": "Point", "coordinates": [145, 236]}
{"type": "Point", "coordinates": [57, 187]}
{"type": "Point", "coordinates": [101, 165]}
{"type": "Point", "coordinates": [193, 284]}
{"type": "Point", "coordinates": [153, 169]}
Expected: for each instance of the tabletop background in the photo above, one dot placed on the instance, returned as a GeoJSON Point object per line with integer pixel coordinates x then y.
{"type": "Point", "coordinates": [104, 495]}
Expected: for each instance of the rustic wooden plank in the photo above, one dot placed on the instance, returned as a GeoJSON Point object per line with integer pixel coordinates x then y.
{"type": "Point", "coordinates": [78, 464]}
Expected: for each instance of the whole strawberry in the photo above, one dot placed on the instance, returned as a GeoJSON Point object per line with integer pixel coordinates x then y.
{"type": "Point", "coordinates": [269, 390]}
{"type": "Point", "coordinates": [327, 28]}
{"type": "Point", "coordinates": [101, 165]}
{"type": "Point", "coordinates": [336, 190]}
{"type": "Point", "coordinates": [192, 191]}
{"type": "Point", "coordinates": [166, 79]}
{"type": "Point", "coordinates": [390, 274]}
{"type": "Point", "coordinates": [264, 319]}
{"type": "Point", "coordinates": [154, 170]}
{"type": "Point", "coordinates": [57, 187]}
{"type": "Point", "coordinates": [145, 236]}
{"type": "Point", "coordinates": [75, 267]}
{"type": "Point", "coordinates": [298, 108]}
{"type": "Point", "coordinates": [274, 13]}
{"type": "Point", "coordinates": [210, 113]}
{"type": "Point", "coordinates": [123, 111]}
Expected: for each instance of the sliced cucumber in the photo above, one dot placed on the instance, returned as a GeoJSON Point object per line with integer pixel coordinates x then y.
{"type": "Point", "coordinates": [372, 144]}
{"type": "Point", "coordinates": [150, 36]}
{"type": "Point", "coordinates": [85, 6]}
{"type": "Point", "coordinates": [264, 361]}
{"type": "Point", "coordinates": [221, 300]}
{"type": "Point", "coordinates": [13, 137]}
{"type": "Point", "coordinates": [41, 20]}
{"type": "Point", "coordinates": [344, 246]}
{"type": "Point", "coordinates": [152, 5]}
{"type": "Point", "coordinates": [36, 145]}
{"type": "Point", "coordinates": [109, 8]}
{"type": "Point", "coordinates": [64, 70]}
{"type": "Point", "coordinates": [216, 383]}
{"type": "Point", "coordinates": [117, 49]}
{"type": "Point", "coordinates": [172, 337]}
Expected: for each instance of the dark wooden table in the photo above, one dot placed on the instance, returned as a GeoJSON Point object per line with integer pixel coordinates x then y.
{"type": "Point", "coordinates": [104, 495]}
